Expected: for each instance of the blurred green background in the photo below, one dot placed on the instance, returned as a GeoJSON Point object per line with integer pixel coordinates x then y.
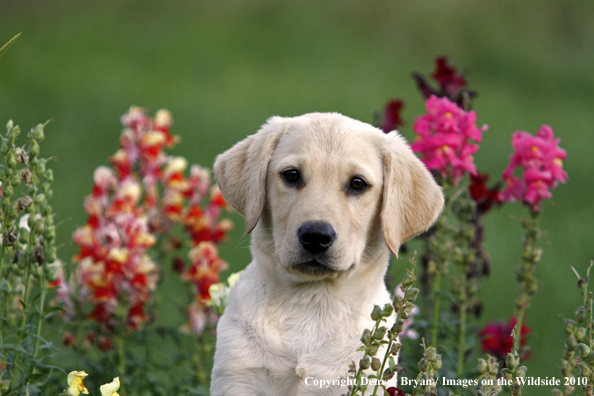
{"type": "Point", "coordinates": [223, 67]}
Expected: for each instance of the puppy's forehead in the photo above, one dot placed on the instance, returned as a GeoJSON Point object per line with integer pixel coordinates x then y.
{"type": "Point", "coordinates": [327, 136]}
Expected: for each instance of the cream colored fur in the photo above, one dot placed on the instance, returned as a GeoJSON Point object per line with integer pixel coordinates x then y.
{"type": "Point", "coordinates": [282, 326]}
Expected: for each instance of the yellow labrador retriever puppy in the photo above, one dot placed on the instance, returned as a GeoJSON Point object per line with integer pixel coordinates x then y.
{"type": "Point", "coordinates": [326, 198]}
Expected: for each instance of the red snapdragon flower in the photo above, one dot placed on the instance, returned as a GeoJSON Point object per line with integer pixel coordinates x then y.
{"type": "Point", "coordinates": [542, 160]}
{"type": "Point", "coordinates": [450, 81]}
{"type": "Point", "coordinates": [444, 137]}
{"type": "Point", "coordinates": [483, 196]}
{"type": "Point", "coordinates": [127, 210]}
{"type": "Point", "coordinates": [497, 339]}
{"type": "Point", "coordinates": [392, 118]}
{"type": "Point", "coordinates": [392, 391]}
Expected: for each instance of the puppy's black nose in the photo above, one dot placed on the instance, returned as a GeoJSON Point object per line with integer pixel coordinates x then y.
{"type": "Point", "coordinates": [316, 237]}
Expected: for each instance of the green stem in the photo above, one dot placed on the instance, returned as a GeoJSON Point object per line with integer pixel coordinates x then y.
{"type": "Point", "coordinates": [41, 308]}
{"type": "Point", "coordinates": [121, 356]}
{"type": "Point", "coordinates": [2, 306]}
{"type": "Point", "coordinates": [519, 323]}
{"type": "Point", "coordinates": [25, 301]}
{"type": "Point", "coordinates": [381, 370]}
{"type": "Point", "coordinates": [462, 336]}
{"type": "Point", "coordinates": [2, 257]}
{"type": "Point", "coordinates": [360, 371]}
{"type": "Point", "coordinates": [591, 316]}
{"type": "Point", "coordinates": [436, 302]}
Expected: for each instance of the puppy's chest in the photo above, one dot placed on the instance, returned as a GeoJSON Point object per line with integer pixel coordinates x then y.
{"type": "Point", "coordinates": [315, 332]}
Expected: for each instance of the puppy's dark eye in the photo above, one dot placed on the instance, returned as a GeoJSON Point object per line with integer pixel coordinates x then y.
{"type": "Point", "coordinates": [292, 176]}
{"type": "Point", "coordinates": [357, 184]}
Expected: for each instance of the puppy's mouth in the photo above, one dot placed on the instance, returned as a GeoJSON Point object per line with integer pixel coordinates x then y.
{"type": "Point", "coordinates": [315, 268]}
{"type": "Point", "coordinates": [312, 267]}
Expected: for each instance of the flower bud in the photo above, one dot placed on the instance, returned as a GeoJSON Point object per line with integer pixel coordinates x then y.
{"type": "Point", "coordinates": [398, 326]}
{"type": "Point", "coordinates": [365, 362]}
{"type": "Point", "coordinates": [569, 326]}
{"type": "Point", "coordinates": [408, 280]}
{"type": "Point", "coordinates": [51, 272]}
{"type": "Point", "coordinates": [11, 160]}
{"type": "Point", "coordinates": [39, 199]}
{"type": "Point", "coordinates": [510, 361]}
{"type": "Point", "coordinates": [422, 364]}
{"type": "Point", "coordinates": [388, 374]}
{"type": "Point", "coordinates": [388, 309]}
{"type": "Point", "coordinates": [8, 190]}
{"type": "Point", "coordinates": [375, 364]}
{"type": "Point", "coordinates": [12, 136]}
{"type": "Point", "coordinates": [584, 369]}
{"type": "Point", "coordinates": [376, 314]}
{"type": "Point", "coordinates": [584, 350]}
{"type": "Point", "coordinates": [581, 314]}
{"type": "Point", "coordinates": [24, 236]}
{"type": "Point", "coordinates": [373, 348]}
{"type": "Point", "coordinates": [46, 210]}
{"type": "Point", "coordinates": [38, 227]}
{"type": "Point", "coordinates": [521, 371]}
{"type": "Point", "coordinates": [567, 354]}
{"type": "Point", "coordinates": [379, 333]}
{"type": "Point", "coordinates": [15, 179]}
{"type": "Point", "coordinates": [482, 366]}
{"type": "Point", "coordinates": [506, 373]}
{"type": "Point", "coordinates": [40, 168]}
{"type": "Point", "coordinates": [4, 147]}
{"type": "Point", "coordinates": [580, 334]}
{"type": "Point", "coordinates": [366, 337]}
{"type": "Point", "coordinates": [532, 287]}
{"type": "Point", "coordinates": [34, 148]}
{"type": "Point", "coordinates": [406, 310]}
{"type": "Point", "coordinates": [430, 354]}
{"type": "Point", "coordinates": [37, 133]}
{"type": "Point", "coordinates": [397, 300]}
{"type": "Point", "coordinates": [49, 175]}
{"type": "Point", "coordinates": [395, 348]}
{"type": "Point", "coordinates": [571, 343]}
{"type": "Point", "coordinates": [51, 254]}
{"type": "Point", "coordinates": [411, 294]}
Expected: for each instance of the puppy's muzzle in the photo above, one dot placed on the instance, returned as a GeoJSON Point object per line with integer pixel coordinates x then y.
{"type": "Point", "coordinates": [316, 236]}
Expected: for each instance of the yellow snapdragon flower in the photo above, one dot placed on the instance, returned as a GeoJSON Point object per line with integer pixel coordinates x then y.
{"type": "Point", "coordinates": [75, 383]}
{"type": "Point", "coordinates": [111, 388]}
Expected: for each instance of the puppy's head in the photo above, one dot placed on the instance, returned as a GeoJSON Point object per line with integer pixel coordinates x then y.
{"type": "Point", "coordinates": [327, 193]}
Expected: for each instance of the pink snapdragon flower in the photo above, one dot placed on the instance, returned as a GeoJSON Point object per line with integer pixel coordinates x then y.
{"type": "Point", "coordinates": [444, 137]}
{"type": "Point", "coordinates": [542, 160]}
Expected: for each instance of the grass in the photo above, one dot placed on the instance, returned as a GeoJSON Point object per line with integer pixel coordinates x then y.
{"type": "Point", "coordinates": [223, 67]}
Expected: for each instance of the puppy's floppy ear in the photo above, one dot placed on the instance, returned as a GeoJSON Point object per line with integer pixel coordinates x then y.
{"type": "Point", "coordinates": [412, 200]}
{"type": "Point", "coordinates": [241, 170]}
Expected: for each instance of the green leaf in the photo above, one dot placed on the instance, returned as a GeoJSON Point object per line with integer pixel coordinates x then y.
{"type": "Point", "coordinates": [52, 310]}
{"type": "Point", "coordinates": [7, 45]}
{"type": "Point", "coordinates": [14, 347]}
{"type": "Point", "coordinates": [392, 364]}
